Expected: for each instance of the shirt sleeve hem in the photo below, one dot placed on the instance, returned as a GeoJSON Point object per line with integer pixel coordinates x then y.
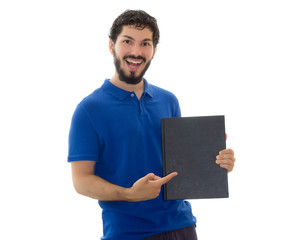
{"type": "Point", "coordinates": [82, 158]}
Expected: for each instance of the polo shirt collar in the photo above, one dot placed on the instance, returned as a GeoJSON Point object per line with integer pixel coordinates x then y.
{"type": "Point", "coordinates": [122, 94]}
{"type": "Point", "coordinates": [148, 88]}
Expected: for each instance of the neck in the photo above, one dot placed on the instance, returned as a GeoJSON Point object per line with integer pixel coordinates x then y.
{"type": "Point", "coordinates": [138, 89]}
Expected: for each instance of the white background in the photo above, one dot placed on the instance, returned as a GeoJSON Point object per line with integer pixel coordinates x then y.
{"type": "Point", "coordinates": [238, 58]}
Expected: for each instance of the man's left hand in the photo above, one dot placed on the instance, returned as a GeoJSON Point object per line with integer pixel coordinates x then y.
{"type": "Point", "coordinates": [226, 159]}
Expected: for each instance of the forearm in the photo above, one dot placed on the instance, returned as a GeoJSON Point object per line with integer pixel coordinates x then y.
{"type": "Point", "coordinates": [90, 185]}
{"type": "Point", "coordinates": [98, 188]}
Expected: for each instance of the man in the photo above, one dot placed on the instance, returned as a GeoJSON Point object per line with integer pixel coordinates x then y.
{"type": "Point", "coordinates": [115, 142]}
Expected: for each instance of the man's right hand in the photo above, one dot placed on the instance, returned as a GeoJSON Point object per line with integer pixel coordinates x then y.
{"type": "Point", "coordinates": [148, 187]}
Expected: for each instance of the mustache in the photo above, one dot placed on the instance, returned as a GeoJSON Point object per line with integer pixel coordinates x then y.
{"type": "Point", "coordinates": [134, 57]}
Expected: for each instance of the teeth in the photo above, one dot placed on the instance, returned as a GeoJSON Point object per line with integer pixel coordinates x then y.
{"type": "Point", "coordinates": [134, 62]}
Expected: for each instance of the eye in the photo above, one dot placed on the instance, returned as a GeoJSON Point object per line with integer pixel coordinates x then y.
{"type": "Point", "coordinates": [127, 41]}
{"type": "Point", "coordinates": [146, 44]}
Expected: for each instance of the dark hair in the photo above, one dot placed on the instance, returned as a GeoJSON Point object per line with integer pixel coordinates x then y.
{"type": "Point", "coordinates": [137, 18]}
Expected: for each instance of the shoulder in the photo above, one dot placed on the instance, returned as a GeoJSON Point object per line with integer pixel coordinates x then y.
{"type": "Point", "coordinates": [85, 105]}
{"type": "Point", "coordinates": [94, 100]}
{"type": "Point", "coordinates": [166, 101]}
{"type": "Point", "coordinates": [88, 107]}
{"type": "Point", "coordinates": [92, 97]}
{"type": "Point", "coordinates": [162, 93]}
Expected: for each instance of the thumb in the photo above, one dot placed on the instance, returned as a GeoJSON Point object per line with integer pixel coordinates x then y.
{"type": "Point", "coordinates": [149, 176]}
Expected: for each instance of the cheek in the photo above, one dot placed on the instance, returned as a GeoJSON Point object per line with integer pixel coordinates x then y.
{"type": "Point", "coordinates": [119, 51]}
{"type": "Point", "coordinates": [151, 54]}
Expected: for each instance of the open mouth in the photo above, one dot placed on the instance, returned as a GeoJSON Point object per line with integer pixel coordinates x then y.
{"type": "Point", "coordinates": [133, 64]}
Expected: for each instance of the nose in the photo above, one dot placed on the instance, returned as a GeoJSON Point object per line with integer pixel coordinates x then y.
{"type": "Point", "coordinates": [137, 50]}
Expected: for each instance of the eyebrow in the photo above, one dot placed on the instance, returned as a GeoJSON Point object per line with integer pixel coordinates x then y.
{"type": "Point", "coordinates": [145, 40]}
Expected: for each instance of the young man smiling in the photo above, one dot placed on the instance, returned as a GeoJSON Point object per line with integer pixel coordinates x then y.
{"type": "Point", "coordinates": [133, 51]}
{"type": "Point", "coordinates": [115, 142]}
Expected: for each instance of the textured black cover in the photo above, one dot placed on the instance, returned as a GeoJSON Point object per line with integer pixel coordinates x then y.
{"type": "Point", "coordinates": [190, 146]}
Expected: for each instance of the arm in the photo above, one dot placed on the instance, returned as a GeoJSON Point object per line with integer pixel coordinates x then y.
{"type": "Point", "coordinates": [88, 184]}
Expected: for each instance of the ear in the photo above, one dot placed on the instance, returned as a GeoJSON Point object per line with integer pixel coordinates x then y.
{"type": "Point", "coordinates": [111, 46]}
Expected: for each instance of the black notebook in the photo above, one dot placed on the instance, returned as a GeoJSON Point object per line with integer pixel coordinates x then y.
{"type": "Point", "coordinates": [190, 146]}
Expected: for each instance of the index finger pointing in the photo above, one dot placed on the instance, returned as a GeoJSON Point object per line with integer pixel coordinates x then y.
{"type": "Point", "coordinates": [167, 178]}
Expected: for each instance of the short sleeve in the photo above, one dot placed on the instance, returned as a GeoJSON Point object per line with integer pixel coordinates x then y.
{"type": "Point", "coordinates": [83, 138]}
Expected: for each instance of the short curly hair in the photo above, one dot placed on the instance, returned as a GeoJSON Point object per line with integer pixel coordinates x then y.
{"type": "Point", "coordinates": [137, 18]}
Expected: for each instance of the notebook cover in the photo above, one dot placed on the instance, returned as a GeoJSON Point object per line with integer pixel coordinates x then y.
{"type": "Point", "coordinates": [190, 146]}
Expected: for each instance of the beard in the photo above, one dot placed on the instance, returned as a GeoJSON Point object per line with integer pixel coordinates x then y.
{"type": "Point", "coordinates": [131, 79]}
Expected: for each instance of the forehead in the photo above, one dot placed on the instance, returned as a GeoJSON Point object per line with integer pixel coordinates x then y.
{"type": "Point", "coordinates": [137, 34]}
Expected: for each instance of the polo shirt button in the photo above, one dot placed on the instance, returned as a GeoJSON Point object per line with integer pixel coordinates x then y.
{"type": "Point", "coordinates": [132, 94]}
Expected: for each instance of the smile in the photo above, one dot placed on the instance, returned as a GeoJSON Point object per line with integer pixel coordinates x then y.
{"type": "Point", "coordinates": [134, 62]}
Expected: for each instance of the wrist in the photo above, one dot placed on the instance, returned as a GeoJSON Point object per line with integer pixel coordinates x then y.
{"type": "Point", "coordinates": [126, 194]}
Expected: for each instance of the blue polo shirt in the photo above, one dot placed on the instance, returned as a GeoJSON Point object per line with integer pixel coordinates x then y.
{"type": "Point", "coordinates": [123, 136]}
